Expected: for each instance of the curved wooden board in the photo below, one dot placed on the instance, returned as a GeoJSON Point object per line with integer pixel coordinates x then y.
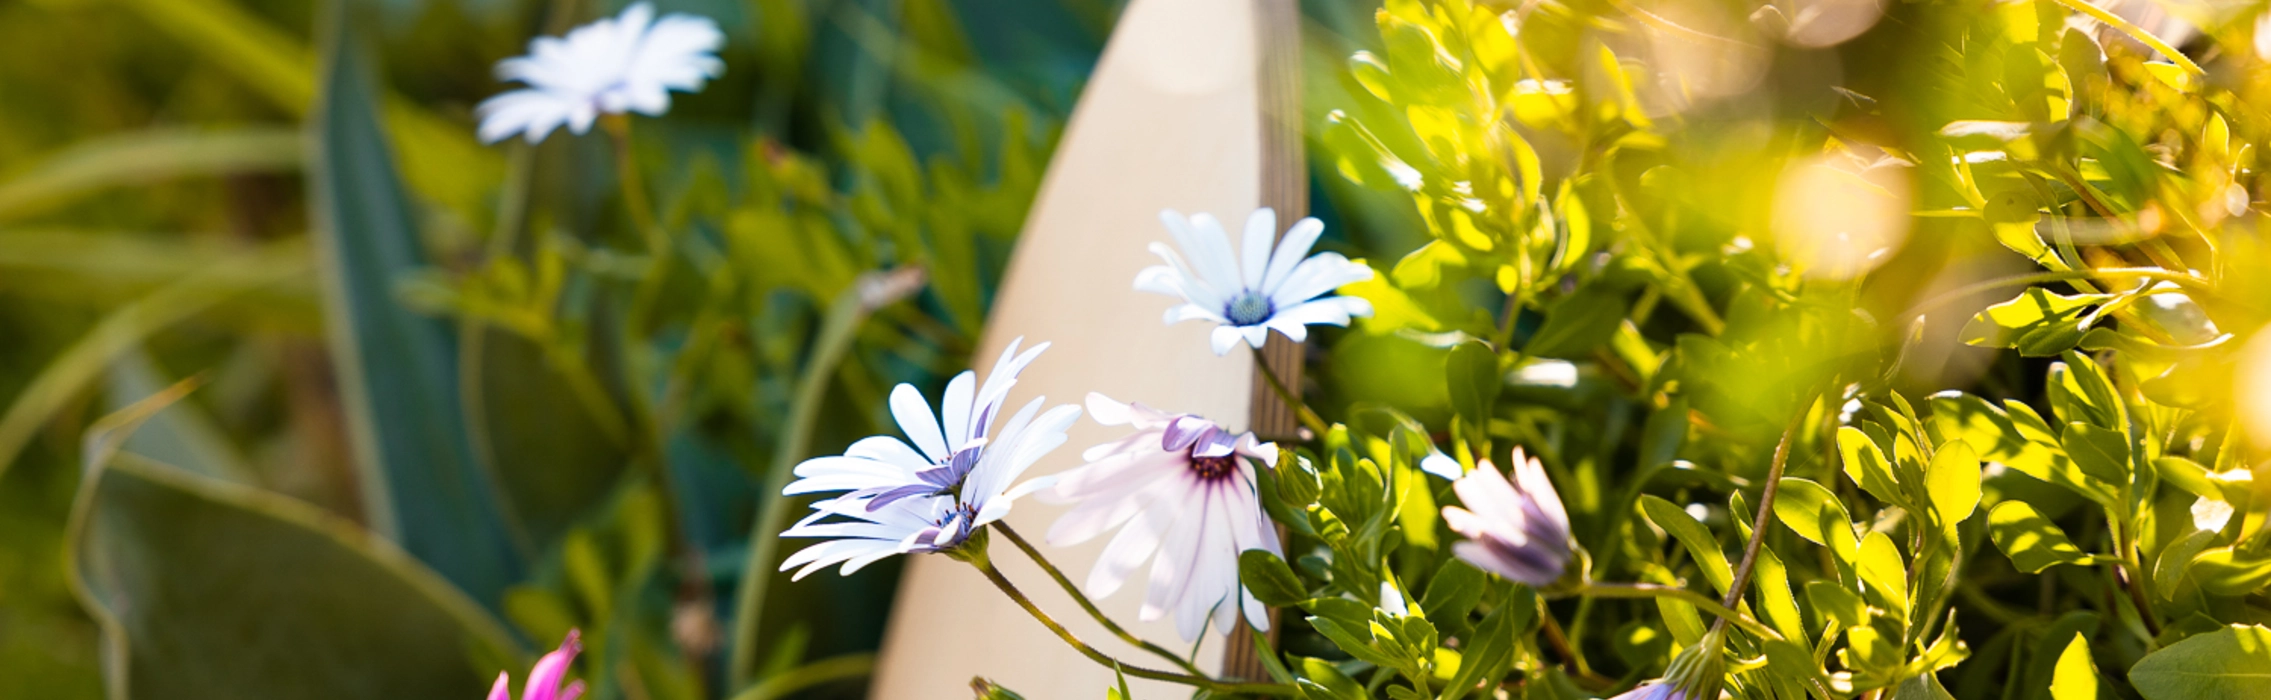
{"type": "Point", "coordinates": [1173, 118]}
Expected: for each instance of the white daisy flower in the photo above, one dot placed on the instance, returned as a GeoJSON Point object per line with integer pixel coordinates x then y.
{"type": "Point", "coordinates": [903, 500]}
{"type": "Point", "coordinates": [1180, 488]}
{"type": "Point", "coordinates": [626, 63]}
{"type": "Point", "coordinates": [1247, 294]}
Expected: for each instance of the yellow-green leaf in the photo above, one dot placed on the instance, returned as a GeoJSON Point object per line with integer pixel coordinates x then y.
{"type": "Point", "coordinates": [2031, 541]}
{"type": "Point", "coordinates": [2075, 678]}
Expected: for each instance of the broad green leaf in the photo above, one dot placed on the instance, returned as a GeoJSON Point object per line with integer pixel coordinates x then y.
{"type": "Point", "coordinates": [1269, 579]}
{"type": "Point", "coordinates": [1866, 465]}
{"type": "Point", "coordinates": [1953, 481]}
{"type": "Point", "coordinates": [398, 379]}
{"type": "Point", "coordinates": [2039, 323]}
{"type": "Point", "coordinates": [2233, 663]}
{"type": "Point", "coordinates": [1452, 594]}
{"type": "Point", "coordinates": [1921, 687]}
{"type": "Point", "coordinates": [1885, 572]}
{"type": "Point", "coordinates": [2175, 561]}
{"type": "Point", "coordinates": [2103, 454]}
{"type": "Point", "coordinates": [182, 433]}
{"type": "Point", "coordinates": [1321, 680]}
{"type": "Point", "coordinates": [2031, 541]}
{"type": "Point", "coordinates": [206, 589]}
{"type": "Point", "coordinates": [2226, 571]}
{"type": "Point", "coordinates": [1775, 599]}
{"type": "Point", "coordinates": [1809, 509]}
{"type": "Point", "coordinates": [2075, 678]}
{"type": "Point", "coordinates": [1488, 655]}
{"type": "Point", "coordinates": [1834, 601]}
{"type": "Point", "coordinates": [1701, 545]}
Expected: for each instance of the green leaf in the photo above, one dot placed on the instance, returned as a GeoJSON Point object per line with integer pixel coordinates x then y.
{"type": "Point", "coordinates": [2226, 571]}
{"type": "Point", "coordinates": [2233, 663]}
{"type": "Point", "coordinates": [2075, 678]}
{"type": "Point", "coordinates": [2039, 323]}
{"type": "Point", "coordinates": [1270, 580]}
{"type": "Point", "coordinates": [2103, 454]}
{"type": "Point", "coordinates": [2031, 541]}
{"type": "Point", "coordinates": [1452, 594]}
{"type": "Point", "coordinates": [1489, 653]}
{"type": "Point", "coordinates": [1953, 481]}
{"type": "Point", "coordinates": [1321, 680]}
{"type": "Point", "coordinates": [206, 589]}
{"type": "Point", "coordinates": [1886, 574]}
{"type": "Point", "coordinates": [2175, 561]}
{"type": "Point", "coordinates": [1578, 323]}
{"type": "Point", "coordinates": [1810, 510]}
{"type": "Point", "coordinates": [1921, 687]}
{"type": "Point", "coordinates": [1472, 370]}
{"type": "Point", "coordinates": [1701, 545]}
{"type": "Point", "coordinates": [397, 369]}
{"type": "Point", "coordinates": [1866, 465]}
{"type": "Point", "coordinates": [1830, 599]}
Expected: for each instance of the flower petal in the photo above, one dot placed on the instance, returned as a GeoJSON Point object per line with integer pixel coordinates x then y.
{"type": "Point", "coordinates": [916, 420]}
{"type": "Point", "coordinates": [1290, 251]}
{"type": "Point", "coordinates": [1253, 260]}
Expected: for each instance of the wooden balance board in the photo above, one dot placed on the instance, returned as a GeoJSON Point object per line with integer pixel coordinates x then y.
{"type": "Point", "coordinates": [1195, 106]}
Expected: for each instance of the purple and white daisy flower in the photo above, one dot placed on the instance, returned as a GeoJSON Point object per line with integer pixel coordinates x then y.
{"type": "Point", "coordinates": [948, 443]}
{"type": "Point", "coordinates": [544, 678]}
{"type": "Point", "coordinates": [1516, 529]}
{"type": "Point", "coordinates": [626, 63]}
{"type": "Point", "coordinates": [1181, 492]}
{"type": "Point", "coordinates": [902, 500]}
{"type": "Point", "coordinates": [1268, 286]}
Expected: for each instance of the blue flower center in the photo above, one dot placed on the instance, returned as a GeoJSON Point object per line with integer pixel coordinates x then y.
{"type": "Point", "coordinates": [1248, 308]}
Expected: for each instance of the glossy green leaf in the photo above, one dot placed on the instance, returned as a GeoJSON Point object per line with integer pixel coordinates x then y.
{"type": "Point", "coordinates": [1578, 323]}
{"type": "Point", "coordinates": [2103, 454]}
{"type": "Point", "coordinates": [1701, 545]}
{"type": "Point", "coordinates": [2233, 663]}
{"type": "Point", "coordinates": [2031, 541]}
{"type": "Point", "coordinates": [1837, 603]}
{"type": "Point", "coordinates": [1270, 580]}
{"type": "Point", "coordinates": [213, 590]}
{"type": "Point", "coordinates": [2228, 571]}
{"type": "Point", "coordinates": [2039, 323]}
{"type": "Point", "coordinates": [1866, 465]}
{"type": "Point", "coordinates": [2075, 678]}
{"type": "Point", "coordinates": [1809, 509]}
{"type": "Point", "coordinates": [398, 378]}
{"type": "Point", "coordinates": [1953, 480]}
{"type": "Point", "coordinates": [1884, 571]}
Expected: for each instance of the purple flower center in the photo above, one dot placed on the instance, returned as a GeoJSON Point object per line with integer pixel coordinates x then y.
{"type": "Point", "coordinates": [1213, 468]}
{"type": "Point", "coordinates": [1248, 308]}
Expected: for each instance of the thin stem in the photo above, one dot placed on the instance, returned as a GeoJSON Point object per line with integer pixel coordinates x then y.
{"type": "Point", "coordinates": [836, 335]}
{"type": "Point", "coordinates": [1301, 410]}
{"type": "Point", "coordinates": [2134, 32]}
{"type": "Point", "coordinates": [1217, 687]}
{"type": "Point", "coordinates": [1765, 515]}
{"type": "Point", "coordinates": [1090, 606]}
{"type": "Point", "coordinates": [1700, 601]}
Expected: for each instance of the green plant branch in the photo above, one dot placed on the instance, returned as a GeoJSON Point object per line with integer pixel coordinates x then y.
{"type": "Point", "coordinates": [1765, 515]}
{"type": "Point", "coordinates": [837, 331]}
{"type": "Point", "coordinates": [1214, 686]}
{"type": "Point", "coordinates": [1089, 606]}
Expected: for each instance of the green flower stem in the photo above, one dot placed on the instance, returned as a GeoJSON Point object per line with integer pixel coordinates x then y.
{"type": "Point", "coordinates": [1090, 606]}
{"type": "Point", "coordinates": [1214, 686]}
{"type": "Point", "coordinates": [1308, 417]}
{"type": "Point", "coordinates": [835, 341]}
{"type": "Point", "coordinates": [1700, 601]}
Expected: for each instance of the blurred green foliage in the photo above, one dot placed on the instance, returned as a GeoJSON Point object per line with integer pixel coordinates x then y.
{"type": "Point", "coordinates": [481, 354]}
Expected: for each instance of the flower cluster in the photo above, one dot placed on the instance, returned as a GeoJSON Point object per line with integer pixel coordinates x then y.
{"type": "Point", "coordinates": [1179, 491]}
